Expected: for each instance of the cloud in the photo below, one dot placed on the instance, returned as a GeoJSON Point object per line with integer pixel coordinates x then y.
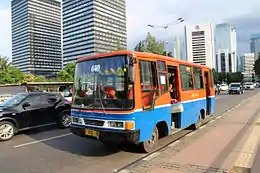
{"type": "Point", "coordinates": [141, 13]}
{"type": "Point", "coordinates": [246, 25]}
{"type": "Point", "coordinates": [5, 32]}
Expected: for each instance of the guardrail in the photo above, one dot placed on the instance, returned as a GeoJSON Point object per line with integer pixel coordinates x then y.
{"type": "Point", "coordinates": [4, 97]}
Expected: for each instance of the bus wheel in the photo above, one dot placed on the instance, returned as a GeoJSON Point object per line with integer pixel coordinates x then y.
{"type": "Point", "coordinates": [148, 146]}
{"type": "Point", "coordinates": [197, 124]}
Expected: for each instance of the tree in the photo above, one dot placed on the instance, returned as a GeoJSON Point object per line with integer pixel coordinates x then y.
{"type": "Point", "coordinates": [29, 78]}
{"type": "Point", "coordinates": [257, 67]}
{"type": "Point", "coordinates": [67, 75]}
{"type": "Point", "coordinates": [140, 47]}
{"type": "Point", "coordinates": [150, 44]}
{"type": "Point", "coordinates": [64, 76]}
{"type": "Point", "coordinates": [40, 79]}
{"type": "Point", "coordinates": [15, 74]}
{"type": "Point", "coordinates": [118, 46]}
{"type": "Point", "coordinates": [4, 63]}
{"type": "Point", "coordinates": [215, 76]}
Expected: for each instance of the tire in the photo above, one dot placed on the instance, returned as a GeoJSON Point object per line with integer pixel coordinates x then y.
{"type": "Point", "coordinates": [197, 125]}
{"type": "Point", "coordinates": [7, 132]}
{"type": "Point", "coordinates": [64, 120]}
{"type": "Point", "coordinates": [149, 145]}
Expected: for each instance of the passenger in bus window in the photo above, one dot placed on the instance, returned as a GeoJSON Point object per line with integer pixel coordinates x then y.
{"type": "Point", "coordinates": [172, 86]}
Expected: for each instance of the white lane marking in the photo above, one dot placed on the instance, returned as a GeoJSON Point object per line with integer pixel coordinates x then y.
{"type": "Point", "coordinates": [247, 154]}
{"type": "Point", "coordinates": [123, 171]}
{"type": "Point", "coordinates": [190, 134]}
{"type": "Point", "coordinates": [211, 121]}
{"type": "Point", "coordinates": [174, 143]}
{"type": "Point", "coordinates": [151, 156]}
{"type": "Point", "coordinates": [219, 117]}
{"type": "Point", "coordinates": [42, 140]}
{"type": "Point", "coordinates": [202, 127]}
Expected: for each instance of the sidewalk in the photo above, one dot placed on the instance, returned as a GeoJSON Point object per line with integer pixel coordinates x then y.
{"type": "Point", "coordinates": [227, 144]}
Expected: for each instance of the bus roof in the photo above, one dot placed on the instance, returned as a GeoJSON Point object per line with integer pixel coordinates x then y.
{"type": "Point", "coordinates": [141, 54]}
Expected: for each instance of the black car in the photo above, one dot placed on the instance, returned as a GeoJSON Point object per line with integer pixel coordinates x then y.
{"type": "Point", "coordinates": [236, 88]}
{"type": "Point", "coordinates": [31, 110]}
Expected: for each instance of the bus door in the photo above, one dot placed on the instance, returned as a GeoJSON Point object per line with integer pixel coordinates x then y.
{"type": "Point", "coordinates": [174, 89]}
{"type": "Point", "coordinates": [207, 86]}
{"type": "Point", "coordinates": [174, 83]}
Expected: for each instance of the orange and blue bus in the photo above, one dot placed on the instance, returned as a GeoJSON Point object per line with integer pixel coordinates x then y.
{"type": "Point", "coordinates": [139, 97]}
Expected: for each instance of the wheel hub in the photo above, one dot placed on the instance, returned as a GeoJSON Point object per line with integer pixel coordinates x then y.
{"type": "Point", "coordinates": [66, 120]}
{"type": "Point", "coordinates": [6, 131]}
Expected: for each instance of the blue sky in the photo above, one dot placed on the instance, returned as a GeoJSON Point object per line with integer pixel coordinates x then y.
{"type": "Point", "coordinates": [245, 15]}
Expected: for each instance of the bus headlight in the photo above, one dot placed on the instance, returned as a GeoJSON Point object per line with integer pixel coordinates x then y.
{"type": "Point", "coordinates": [116, 124]}
{"type": "Point", "coordinates": [128, 125]}
{"type": "Point", "coordinates": [77, 120]}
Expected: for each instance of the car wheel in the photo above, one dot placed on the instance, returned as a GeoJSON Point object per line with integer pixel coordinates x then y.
{"type": "Point", "coordinates": [64, 121]}
{"type": "Point", "coordinates": [7, 131]}
{"type": "Point", "coordinates": [148, 146]}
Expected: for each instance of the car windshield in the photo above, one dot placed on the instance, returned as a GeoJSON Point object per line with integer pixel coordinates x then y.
{"type": "Point", "coordinates": [67, 92]}
{"type": "Point", "coordinates": [102, 84]}
{"type": "Point", "coordinates": [235, 85]}
{"type": "Point", "coordinates": [15, 100]}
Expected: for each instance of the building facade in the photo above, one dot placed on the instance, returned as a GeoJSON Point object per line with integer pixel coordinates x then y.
{"type": "Point", "coordinates": [255, 45]}
{"type": "Point", "coordinates": [36, 36]}
{"type": "Point", "coordinates": [247, 64]}
{"type": "Point", "coordinates": [226, 48]}
{"type": "Point", "coordinates": [200, 44]}
{"type": "Point", "coordinates": [177, 48]}
{"type": "Point", "coordinates": [91, 27]}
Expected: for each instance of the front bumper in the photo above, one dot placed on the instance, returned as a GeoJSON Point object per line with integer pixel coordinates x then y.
{"type": "Point", "coordinates": [234, 91]}
{"type": "Point", "coordinates": [115, 136]}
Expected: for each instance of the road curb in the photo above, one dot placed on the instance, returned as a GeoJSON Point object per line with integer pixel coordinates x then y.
{"type": "Point", "coordinates": [157, 152]}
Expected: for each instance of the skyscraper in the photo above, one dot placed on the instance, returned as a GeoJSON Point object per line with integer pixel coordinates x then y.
{"type": "Point", "coordinates": [247, 64]}
{"type": "Point", "coordinates": [177, 48]}
{"type": "Point", "coordinates": [226, 48]}
{"type": "Point", "coordinates": [200, 44]}
{"type": "Point", "coordinates": [91, 27]}
{"type": "Point", "coordinates": [36, 36]}
{"type": "Point", "coordinates": [255, 45]}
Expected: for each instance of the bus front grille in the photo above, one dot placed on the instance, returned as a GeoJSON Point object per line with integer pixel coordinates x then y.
{"type": "Point", "coordinates": [93, 122]}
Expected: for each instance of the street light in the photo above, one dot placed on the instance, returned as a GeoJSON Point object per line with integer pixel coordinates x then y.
{"type": "Point", "coordinates": [165, 27]}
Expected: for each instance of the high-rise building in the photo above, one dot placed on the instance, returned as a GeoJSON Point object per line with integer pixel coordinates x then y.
{"type": "Point", "coordinates": [255, 45]}
{"type": "Point", "coordinates": [36, 36]}
{"type": "Point", "coordinates": [226, 48]}
{"type": "Point", "coordinates": [91, 27]}
{"type": "Point", "coordinates": [200, 44]}
{"type": "Point", "coordinates": [247, 64]}
{"type": "Point", "coordinates": [177, 48]}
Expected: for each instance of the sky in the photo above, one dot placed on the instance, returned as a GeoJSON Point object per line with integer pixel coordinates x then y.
{"type": "Point", "coordinates": [244, 15]}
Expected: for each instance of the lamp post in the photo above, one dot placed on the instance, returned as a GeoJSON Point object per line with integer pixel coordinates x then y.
{"type": "Point", "coordinates": [165, 27]}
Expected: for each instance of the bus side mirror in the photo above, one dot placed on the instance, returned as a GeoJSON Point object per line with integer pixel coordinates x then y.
{"type": "Point", "coordinates": [131, 74]}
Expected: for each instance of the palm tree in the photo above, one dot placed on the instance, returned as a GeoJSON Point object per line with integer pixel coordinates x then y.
{"type": "Point", "coordinates": [4, 63]}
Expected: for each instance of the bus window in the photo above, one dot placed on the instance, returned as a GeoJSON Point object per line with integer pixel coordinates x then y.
{"type": "Point", "coordinates": [162, 74]}
{"type": "Point", "coordinates": [148, 81]}
{"type": "Point", "coordinates": [198, 78]}
{"type": "Point", "coordinates": [186, 77]}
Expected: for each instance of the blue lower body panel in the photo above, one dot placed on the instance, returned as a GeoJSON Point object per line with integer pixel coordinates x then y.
{"type": "Point", "coordinates": [145, 121]}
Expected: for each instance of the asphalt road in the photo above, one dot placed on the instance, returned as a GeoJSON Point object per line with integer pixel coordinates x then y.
{"type": "Point", "coordinates": [57, 151]}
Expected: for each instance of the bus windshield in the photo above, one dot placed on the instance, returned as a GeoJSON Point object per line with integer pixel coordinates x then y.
{"type": "Point", "coordinates": [102, 84]}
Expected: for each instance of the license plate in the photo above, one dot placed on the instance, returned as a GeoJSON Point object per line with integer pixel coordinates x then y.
{"type": "Point", "coordinates": [91, 133]}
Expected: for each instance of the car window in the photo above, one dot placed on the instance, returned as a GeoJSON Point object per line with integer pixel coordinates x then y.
{"type": "Point", "coordinates": [34, 100]}
{"type": "Point", "coordinates": [234, 85]}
